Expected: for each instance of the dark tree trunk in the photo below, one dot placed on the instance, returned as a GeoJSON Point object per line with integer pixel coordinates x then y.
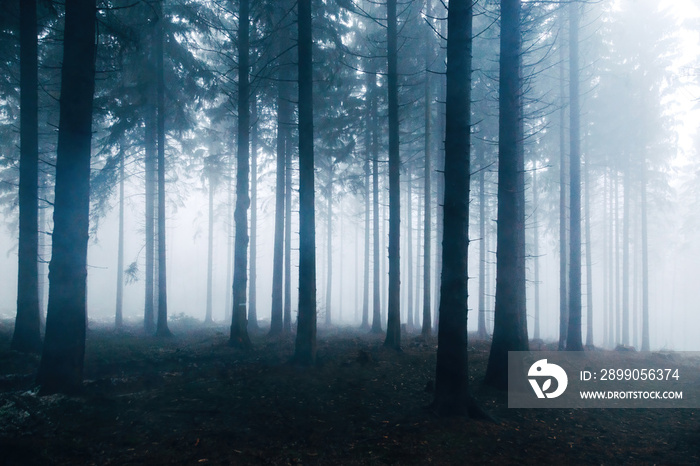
{"type": "Point", "coordinates": [451, 376]}
{"type": "Point", "coordinates": [210, 249]}
{"type": "Point", "coordinates": [27, 334]}
{"type": "Point", "coordinates": [287, 324]}
{"type": "Point", "coordinates": [409, 248]}
{"type": "Point", "coordinates": [162, 324]}
{"type": "Point", "coordinates": [329, 244]}
{"type": "Point", "coordinates": [376, 298]}
{"type": "Point", "coordinates": [509, 318]}
{"type": "Point", "coordinates": [283, 117]}
{"type": "Point", "coordinates": [239, 325]}
{"type": "Point", "coordinates": [253, 272]}
{"type": "Point", "coordinates": [393, 327]}
{"type": "Point", "coordinates": [118, 319]}
{"type": "Point", "coordinates": [305, 346]}
{"type": "Point", "coordinates": [563, 295]}
{"type": "Point", "coordinates": [150, 169]}
{"type": "Point", "coordinates": [368, 151]}
{"type": "Point", "coordinates": [482, 332]}
{"type": "Point", "coordinates": [229, 239]}
{"type": "Point", "coordinates": [415, 320]}
{"type": "Point", "coordinates": [61, 367]}
{"type": "Point", "coordinates": [426, 327]}
{"type": "Point", "coordinates": [573, 336]}
{"type": "Point", "coordinates": [536, 250]}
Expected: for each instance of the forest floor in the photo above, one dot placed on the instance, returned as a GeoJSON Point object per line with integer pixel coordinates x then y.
{"type": "Point", "coordinates": [192, 399]}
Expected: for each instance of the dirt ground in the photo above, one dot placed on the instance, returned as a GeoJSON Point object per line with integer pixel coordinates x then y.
{"type": "Point", "coordinates": [191, 399]}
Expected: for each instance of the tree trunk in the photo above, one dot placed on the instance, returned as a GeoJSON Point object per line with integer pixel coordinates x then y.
{"type": "Point", "coordinates": [573, 337]}
{"type": "Point", "coordinates": [409, 247]}
{"type": "Point", "coordinates": [61, 367]}
{"type": "Point", "coordinates": [27, 333]}
{"type": "Point", "coordinates": [118, 319]}
{"type": "Point", "coordinates": [589, 256]}
{"type": "Point", "coordinates": [563, 295]}
{"type": "Point", "coordinates": [376, 297]}
{"type": "Point", "coordinates": [253, 272]}
{"type": "Point", "coordinates": [150, 175]}
{"type": "Point", "coordinates": [482, 332]}
{"type": "Point", "coordinates": [305, 345]}
{"type": "Point", "coordinates": [645, 261]}
{"type": "Point", "coordinates": [509, 319]}
{"type": "Point", "coordinates": [536, 250]}
{"type": "Point", "coordinates": [329, 244]}
{"type": "Point", "coordinates": [283, 116]}
{"type": "Point", "coordinates": [239, 325]}
{"type": "Point", "coordinates": [368, 154]}
{"type": "Point", "coordinates": [626, 220]}
{"type": "Point", "coordinates": [287, 322]}
{"type": "Point", "coordinates": [162, 324]}
{"type": "Point", "coordinates": [210, 249]}
{"type": "Point", "coordinates": [393, 327]}
{"type": "Point", "coordinates": [427, 202]}
{"type": "Point", "coordinates": [229, 239]}
{"type": "Point", "coordinates": [415, 320]}
{"type": "Point", "coordinates": [451, 375]}
{"type": "Point", "coordinates": [440, 195]}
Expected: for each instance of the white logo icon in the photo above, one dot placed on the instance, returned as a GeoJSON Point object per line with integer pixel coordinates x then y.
{"type": "Point", "coordinates": [543, 369]}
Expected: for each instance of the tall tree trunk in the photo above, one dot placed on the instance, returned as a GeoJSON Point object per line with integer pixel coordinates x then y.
{"type": "Point", "coordinates": [415, 320]}
{"type": "Point", "coordinates": [393, 327]}
{"type": "Point", "coordinates": [573, 337]}
{"type": "Point", "coordinates": [253, 272]}
{"type": "Point", "coordinates": [427, 200]}
{"type": "Point", "coordinates": [626, 220]}
{"type": "Point", "coordinates": [61, 366]}
{"type": "Point", "coordinates": [589, 256]}
{"type": "Point", "coordinates": [536, 250]}
{"type": "Point", "coordinates": [162, 324]}
{"type": "Point", "coordinates": [509, 320]}
{"type": "Point", "coordinates": [287, 322]}
{"type": "Point", "coordinates": [368, 154]}
{"type": "Point", "coordinates": [409, 247]}
{"type": "Point", "coordinates": [451, 375]}
{"type": "Point", "coordinates": [563, 295]}
{"type": "Point", "coordinates": [150, 175]}
{"type": "Point", "coordinates": [283, 117]}
{"type": "Point", "coordinates": [305, 345]}
{"type": "Point", "coordinates": [645, 260]}
{"type": "Point", "coordinates": [618, 313]}
{"type": "Point", "coordinates": [329, 244]}
{"type": "Point", "coordinates": [118, 318]}
{"type": "Point", "coordinates": [440, 194]}
{"type": "Point", "coordinates": [606, 260]}
{"type": "Point", "coordinates": [27, 334]}
{"type": "Point", "coordinates": [210, 250]}
{"type": "Point", "coordinates": [482, 332]}
{"type": "Point", "coordinates": [229, 239]}
{"type": "Point", "coordinates": [239, 325]}
{"type": "Point", "coordinates": [376, 297]}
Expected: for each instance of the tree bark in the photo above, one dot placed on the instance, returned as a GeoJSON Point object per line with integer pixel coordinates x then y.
{"type": "Point", "coordinates": [61, 366]}
{"type": "Point", "coordinates": [563, 254]}
{"type": "Point", "coordinates": [368, 155]}
{"type": "Point", "coordinates": [589, 256]}
{"type": "Point", "coordinates": [426, 326]}
{"type": "Point", "coordinates": [376, 298]}
{"type": "Point", "coordinates": [27, 332]}
{"type": "Point", "coordinates": [118, 318]}
{"type": "Point", "coordinates": [287, 323]}
{"type": "Point", "coordinates": [239, 326]}
{"type": "Point", "coordinates": [509, 319]}
{"type": "Point", "coordinates": [482, 332]}
{"type": "Point", "coordinates": [645, 260]}
{"type": "Point", "coordinates": [393, 328]}
{"type": "Point", "coordinates": [573, 337]}
{"type": "Point", "coordinates": [253, 272]}
{"type": "Point", "coordinates": [162, 324]}
{"type": "Point", "coordinates": [451, 375]}
{"type": "Point", "coordinates": [329, 243]}
{"type": "Point", "coordinates": [305, 345]}
{"type": "Point", "coordinates": [409, 247]}
{"type": "Point", "coordinates": [536, 250]}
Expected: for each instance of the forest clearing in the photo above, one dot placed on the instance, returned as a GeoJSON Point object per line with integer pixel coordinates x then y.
{"type": "Point", "coordinates": [192, 399]}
